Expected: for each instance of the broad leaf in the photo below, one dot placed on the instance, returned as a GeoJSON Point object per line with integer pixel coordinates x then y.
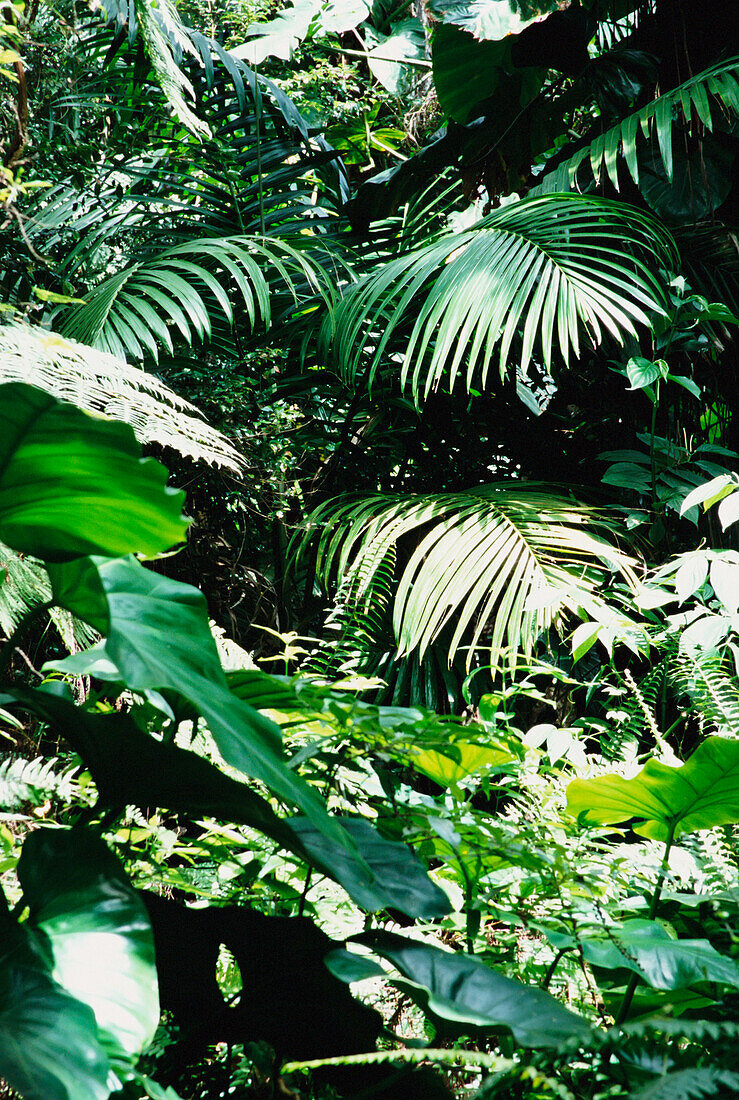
{"type": "Point", "coordinates": [137, 610]}
{"type": "Point", "coordinates": [73, 484]}
{"type": "Point", "coordinates": [49, 1048]}
{"type": "Point", "coordinates": [645, 947]}
{"type": "Point", "coordinates": [400, 881]}
{"type": "Point", "coordinates": [460, 994]}
{"type": "Point", "coordinates": [700, 794]}
{"type": "Point", "coordinates": [97, 931]}
{"type": "Point", "coordinates": [450, 764]}
{"type": "Point", "coordinates": [490, 19]}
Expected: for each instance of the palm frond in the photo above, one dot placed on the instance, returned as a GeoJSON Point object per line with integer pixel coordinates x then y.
{"type": "Point", "coordinates": [713, 89]}
{"type": "Point", "coordinates": [134, 312]}
{"type": "Point", "coordinates": [166, 39]}
{"type": "Point", "coordinates": [541, 270]}
{"type": "Point", "coordinates": [504, 561]}
{"type": "Point", "coordinates": [100, 383]}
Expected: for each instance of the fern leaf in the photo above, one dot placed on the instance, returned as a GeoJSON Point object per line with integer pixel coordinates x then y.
{"type": "Point", "coordinates": [100, 383]}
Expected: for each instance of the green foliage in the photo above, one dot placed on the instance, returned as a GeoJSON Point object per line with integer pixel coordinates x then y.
{"type": "Point", "coordinates": [459, 292]}
{"type": "Point", "coordinates": [700, 794]}
{"type": "Point", "coordinates": [545, 877]}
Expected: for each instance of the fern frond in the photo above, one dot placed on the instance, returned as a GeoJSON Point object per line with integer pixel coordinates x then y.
{"type": "Point", "coordinates": [687, 1084]}
{"type": "Point", "coordinates": [474, 1059]}
{"type": "Point", "coordinates": [100, 383]}
{"type": "Point", "coordinates": [34, 781]}
{"type": "Point", "coordinates": [716, 693]}
{"type": "Point", "coordinates": [691, 100]}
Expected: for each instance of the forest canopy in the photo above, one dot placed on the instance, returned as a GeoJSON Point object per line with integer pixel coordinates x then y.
{"type": "Point", "coordinates": [369, 498]}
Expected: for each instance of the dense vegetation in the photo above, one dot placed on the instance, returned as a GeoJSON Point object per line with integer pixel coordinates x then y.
{"type": "Point", "coordinates": [368, 520]}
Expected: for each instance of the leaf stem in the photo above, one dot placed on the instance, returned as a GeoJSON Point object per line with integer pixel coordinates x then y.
{"type": "Point", "coordinates": [634, 979]}
{"type": "Point", "coordinates": [6, 654]}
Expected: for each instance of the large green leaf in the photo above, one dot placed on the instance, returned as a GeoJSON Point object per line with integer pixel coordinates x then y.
{"type": "Point", "coordinates": [509, 558]}
{"type": "Point", "coordinates": [73, 484]}
{"type": "Point", "coordinates": [157, 636]}
{"type": "Point", "coordinates": [646, 948]}
{"type": "Point", "coordinates": [49, 1048]}
{"type": "Point", "coordinates": [461, 994]}
{"type": "Point", "coordinates": [400, 882]}
{"type": "Point", "coordinates": [700, 794]}
{"type": "Point", "coordinates": [491, 19]}
{"type": "Point", "coordinates": [97, 931]}
{"type": "Point", "coordinates": [532, 272]}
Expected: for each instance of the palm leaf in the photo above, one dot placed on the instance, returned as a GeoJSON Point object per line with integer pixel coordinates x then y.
{"type": "Point", "coordinates": [689, 101]}
{"type": "Point", "coordinates": [539, 270]}
{"type": "Point", "coordinates": [100, 383]}
{"type": "Point", "coordinates": [134, 312]}
{"type": "Point", "coordinates": [166, 39]}
{"type": "Point", "coordinates": [503, 559]}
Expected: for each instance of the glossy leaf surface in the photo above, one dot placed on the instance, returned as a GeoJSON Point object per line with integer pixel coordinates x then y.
{"type": "Point", "coordinates": [459, 993]}
{"type": "Point", "coordinates": [97, 932]}
{"type": "Point", "coordinates": [73, 484]}
{"type": "Point", "coordinates": [400, 881]}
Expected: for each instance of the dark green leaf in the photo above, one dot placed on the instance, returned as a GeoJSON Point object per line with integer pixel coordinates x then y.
{"type": "Point", "coordinates": [400, 880]}
{"type": "Point", "coordinates": [462, 995]}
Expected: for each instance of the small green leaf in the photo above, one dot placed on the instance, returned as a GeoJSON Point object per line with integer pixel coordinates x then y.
{"type": "Point", "coordinates": [700, 794]}
{"type": "Point", "coordinates": [728, 511]}
{"type": "Point", "coordinates": [692, 575]}
{"type": "Point", "coordinates": [584, 638]}
{"type": "Point", "coordinates": [686, 383]}
{"type": "Point", "coordinates": [708, 493]}
{"type": "Point", "coordinates": [642, 372]}
{"type": "Point", "coordinates": [74, 484]}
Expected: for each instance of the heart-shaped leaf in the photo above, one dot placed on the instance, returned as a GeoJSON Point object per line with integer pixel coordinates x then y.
{"type": "Point", "coordinates": [700, 794]}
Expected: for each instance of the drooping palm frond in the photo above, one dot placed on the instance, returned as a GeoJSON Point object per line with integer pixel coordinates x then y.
{"type": "Point", "coordinates": [134, 312]}
{"type": "Point", "coordinates": [540, 270]}
{"type": "Point", "coordinates": [98, 382]}
{"type": "Point", "coordinates": [502, 560]}
{"type": "Point", "coordinates": [713, 89]}
{"type": "Point", "coordinates": [166, 39]}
